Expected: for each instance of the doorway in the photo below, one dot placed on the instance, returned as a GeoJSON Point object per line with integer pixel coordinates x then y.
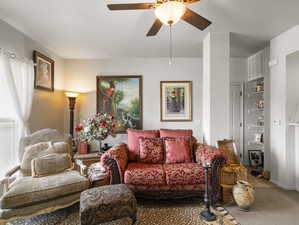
{"type": "Point", "coordinates": [236, 127]}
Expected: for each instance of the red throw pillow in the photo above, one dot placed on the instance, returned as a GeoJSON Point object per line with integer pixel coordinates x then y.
{"type": "Point", "coordinates": [178, 150]}
{"type": "Point", "coordinates": [133, 142]}
{"type": "Point", "coordinates": [151, 150]}
{"type": "Point", "coordinates": [175, 133]}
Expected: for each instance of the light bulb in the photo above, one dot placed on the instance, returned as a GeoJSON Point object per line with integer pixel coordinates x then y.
{"type": "Point", "coordinates": [170, 12]}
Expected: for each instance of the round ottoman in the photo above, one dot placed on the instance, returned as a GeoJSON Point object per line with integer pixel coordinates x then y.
{"type": "Point", "coordinates": [107, 203]}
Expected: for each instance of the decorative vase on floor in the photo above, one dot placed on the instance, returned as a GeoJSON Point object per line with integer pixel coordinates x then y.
{"type": "Point", "coordinates": [243, 193]}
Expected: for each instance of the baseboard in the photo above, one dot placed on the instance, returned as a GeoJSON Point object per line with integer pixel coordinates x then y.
{"type": "Point", "coordinates": [284, 186]}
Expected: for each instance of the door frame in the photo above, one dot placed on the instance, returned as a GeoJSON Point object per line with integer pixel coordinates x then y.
{"type": "Point", "coordinates": [241, 85]}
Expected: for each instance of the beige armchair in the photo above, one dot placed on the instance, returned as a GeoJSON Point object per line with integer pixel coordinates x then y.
{"type": "Point", "coordinates": [26, 196]}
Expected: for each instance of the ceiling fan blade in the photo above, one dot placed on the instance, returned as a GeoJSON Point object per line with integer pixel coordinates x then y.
{"type": "Point", "coordinates": [195, 19]}
{"type": "Point", "coordinates": [155, 28]}
{"type": "Point", "coordinates": [131, 6]}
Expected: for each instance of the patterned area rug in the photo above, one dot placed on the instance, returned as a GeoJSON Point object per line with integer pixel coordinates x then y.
{"type": "Point", "coordinates": [180, 212]}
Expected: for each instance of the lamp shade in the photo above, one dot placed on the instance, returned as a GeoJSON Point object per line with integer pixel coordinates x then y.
{"type": "Point", "coordinates": [71, 94]}
{"type": "Point", "coordinates": [170, 12]}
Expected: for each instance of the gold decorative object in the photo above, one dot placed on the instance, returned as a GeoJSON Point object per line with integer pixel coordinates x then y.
{"type": "Point", "coordinates": [243, 193]}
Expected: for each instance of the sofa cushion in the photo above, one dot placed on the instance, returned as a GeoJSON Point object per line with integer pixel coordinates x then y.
{"type": "Point", "coordinates": [51, 164]}
{"type": "Point", "coordinates": [38, 150]}
{"type": "Point", "coordinates": [178, 150]}
{"type": "Point", "coordinates": [139, 173]}
{"type": "Point", "coordinates": [151, 150]}
{"type": "Point", "coordinates": [175, 133]}
{"type": "Point", "coordinates": [133, 140]}
{"type": "Point", "coordinates": [184, 173]}
{"type": "Point", "coordinates": [28, 190]}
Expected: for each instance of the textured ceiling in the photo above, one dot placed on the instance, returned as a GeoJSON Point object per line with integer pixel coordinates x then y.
{"type": "Point", "coordinates": [86, 29]}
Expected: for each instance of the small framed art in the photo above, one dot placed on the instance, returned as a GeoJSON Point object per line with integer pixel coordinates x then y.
{"type": "Point", "coordinates": [175, 101]}
{"type": "Point", "coordinates": [44, 72]}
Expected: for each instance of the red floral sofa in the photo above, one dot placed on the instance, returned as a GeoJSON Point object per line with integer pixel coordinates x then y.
{"type": "Point", "coordinates": [161, 179]}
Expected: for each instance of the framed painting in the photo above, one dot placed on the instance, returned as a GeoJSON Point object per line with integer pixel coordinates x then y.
{"type": "Point", "coordinates": [176, 101]}
{"type": "Point", "coordinates": [44, 72]}
{"type": "Point", "coordinates": [122, 97]}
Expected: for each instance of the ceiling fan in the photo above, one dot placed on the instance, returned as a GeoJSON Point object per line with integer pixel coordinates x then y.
{"type": "Point", "coordinates": [168, 12]}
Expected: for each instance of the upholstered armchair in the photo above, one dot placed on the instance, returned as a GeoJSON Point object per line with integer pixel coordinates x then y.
{"type": "Point", "coordinates": [26, 193]}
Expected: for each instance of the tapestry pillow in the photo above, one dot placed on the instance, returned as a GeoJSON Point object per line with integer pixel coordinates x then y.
{"type": "Point", "coordinates": [133, 142]}
{"type": "Point", "coordinates": [175, 133]}
{"type": "Point", "coordinates": [38, 150]}
{"type": "Point", "coordinates": [151, 150]}
{"type": "Point", "coordinates": [177, 150]}
{"type": "Point", "coordinates": [51, 164]}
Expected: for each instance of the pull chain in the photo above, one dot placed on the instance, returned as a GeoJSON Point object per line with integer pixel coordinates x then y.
{"type": "Point", "coordinates": [170, 44]}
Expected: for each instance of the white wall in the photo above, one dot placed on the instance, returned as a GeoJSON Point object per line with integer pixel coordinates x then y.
{"type": "Point", "coordinates": [81, 76]}
{"type": "Point", "coordinates": [292, 69]}
{"type": "Point", "coordinates": [280, 47]}
{"type": "Point", "coordinates": [216, 98]}
{"type": "Point", "coordinates": [47, 107]}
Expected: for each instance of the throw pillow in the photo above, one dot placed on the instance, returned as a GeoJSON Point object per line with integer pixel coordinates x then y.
{"type": "Point", "coordinates": [177, 150]}
{"type": "Point", "coordinates": [38, 150]}
{"type": "Point", "coordinates": [133, 142]}
{"type": "Point", "coordinates": [151, 150]}
{"type": "Point", "coordinates": [175, 133]}
{"type": "Point", "coordinates": [51, 164]}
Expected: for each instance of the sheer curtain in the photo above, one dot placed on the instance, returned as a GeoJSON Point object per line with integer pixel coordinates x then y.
{"type": "Point", "coordinates": [17, 86]}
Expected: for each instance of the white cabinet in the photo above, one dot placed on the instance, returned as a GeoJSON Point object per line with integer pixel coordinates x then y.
{"type": "Point", "coordinates": [257, 64]}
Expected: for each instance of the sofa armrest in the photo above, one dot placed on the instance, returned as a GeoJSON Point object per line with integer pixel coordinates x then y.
{"type": "Point", "coordinates": [116, 160]}
{"type": "Point", "coordinates": [206, 153]}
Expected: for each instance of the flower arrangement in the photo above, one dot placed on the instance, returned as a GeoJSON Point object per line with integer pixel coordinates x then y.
{"type": "Point", "coordinates": [96, 128]}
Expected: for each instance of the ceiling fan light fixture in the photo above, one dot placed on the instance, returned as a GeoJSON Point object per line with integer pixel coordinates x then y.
{"type": "Point", "coordinates": [170, 12]}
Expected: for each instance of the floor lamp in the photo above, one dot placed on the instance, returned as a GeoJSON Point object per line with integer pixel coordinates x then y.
{"type": "Point", "coordinates": [72, 101]}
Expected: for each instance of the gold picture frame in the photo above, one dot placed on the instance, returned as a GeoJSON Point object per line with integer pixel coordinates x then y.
{"type": "Point", "coordinates": [128, 111]}
{"type": "Point", "coordinates": [176, 104]}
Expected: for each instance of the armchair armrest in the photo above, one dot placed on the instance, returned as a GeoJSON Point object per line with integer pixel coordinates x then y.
{"type": "Point", "coordinates": [7, 177]}
{"type": "Point", "coordinates": [116, 160]}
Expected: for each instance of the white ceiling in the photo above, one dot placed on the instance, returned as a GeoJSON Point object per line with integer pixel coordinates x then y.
{"type": "Point", "coordinates": [87, 29]}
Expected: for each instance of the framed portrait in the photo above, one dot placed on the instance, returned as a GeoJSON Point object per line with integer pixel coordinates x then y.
{"type": "Point", "coordinates": [122, 97]}
{"type": "Point", "coordinates": [176, 101]}
{"type": "Point", "coordinates": [44, 72]}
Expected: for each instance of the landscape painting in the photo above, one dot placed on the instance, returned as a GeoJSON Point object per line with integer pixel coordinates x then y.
{"type": "Point", "coordinates": [122, 97]}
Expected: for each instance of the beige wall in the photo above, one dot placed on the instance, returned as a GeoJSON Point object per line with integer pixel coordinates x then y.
{"type": "Point", "coordinates": [48, 108]}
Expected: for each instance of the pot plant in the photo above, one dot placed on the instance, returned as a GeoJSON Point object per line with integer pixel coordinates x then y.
{"type": "Point", "coordinates": [94, 130]}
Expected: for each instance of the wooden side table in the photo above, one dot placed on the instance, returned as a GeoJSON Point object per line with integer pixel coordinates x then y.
{"type": "Point", "coordinates": [83, 161]}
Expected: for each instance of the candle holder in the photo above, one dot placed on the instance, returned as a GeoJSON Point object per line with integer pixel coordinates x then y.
{"type": "Point", "coordinates": [206, 213]}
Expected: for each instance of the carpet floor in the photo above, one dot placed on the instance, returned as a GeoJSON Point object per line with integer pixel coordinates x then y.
{"type": "Point", "coordinates": [273, 206]}
{"type": "Point", "coordinates": [179, 212]}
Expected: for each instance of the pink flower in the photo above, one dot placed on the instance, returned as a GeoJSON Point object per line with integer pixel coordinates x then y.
{"type": "Point", "coordinates": [113, 125]}
{"type": "Point", "coordinates": [110, 117]}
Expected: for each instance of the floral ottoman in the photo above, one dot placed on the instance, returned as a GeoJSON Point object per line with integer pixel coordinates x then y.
{"type": "Point", "coordinates": [107, 203]}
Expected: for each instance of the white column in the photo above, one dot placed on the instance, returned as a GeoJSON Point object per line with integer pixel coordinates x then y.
{"type": "Point", "coordinates": [216, 84]}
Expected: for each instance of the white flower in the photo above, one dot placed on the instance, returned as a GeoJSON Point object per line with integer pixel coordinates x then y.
{"type": "Point", "coordinates": [86, 129]}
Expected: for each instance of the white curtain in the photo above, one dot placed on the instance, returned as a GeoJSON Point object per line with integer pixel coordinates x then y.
{"type": "Point", "coordinates": [18, 75]}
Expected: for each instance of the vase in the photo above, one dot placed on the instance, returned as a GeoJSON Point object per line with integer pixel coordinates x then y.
{"type": "Point", "coordinates": [82, 148]}
{"type": "Point", "coordinates": [95, 146]}
{"type": "Point", "coordinates": [243, 193]}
